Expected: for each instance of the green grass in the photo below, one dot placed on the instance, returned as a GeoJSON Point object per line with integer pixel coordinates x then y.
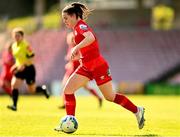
{"type": "Point", "coordinates": [37, 116]}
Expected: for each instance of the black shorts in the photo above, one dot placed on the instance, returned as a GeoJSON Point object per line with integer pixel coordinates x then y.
{"type": "Point", "coordinates": [28, 74]}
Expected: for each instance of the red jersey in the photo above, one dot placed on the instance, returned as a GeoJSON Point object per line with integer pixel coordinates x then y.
{"type": "Point", "coordinates": [93, 65]}
{"type": "Point", "coordinates": [89, 53]}
{"type": "Point", "coordinates": [8, 61]}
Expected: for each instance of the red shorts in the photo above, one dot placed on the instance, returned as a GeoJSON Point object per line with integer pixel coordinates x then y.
{"type": "Point", "coordinates": [96, 69]}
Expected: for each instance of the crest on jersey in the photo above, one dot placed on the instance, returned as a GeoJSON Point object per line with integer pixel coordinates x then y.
{"type": "Point", "coordinates": [83, 27]}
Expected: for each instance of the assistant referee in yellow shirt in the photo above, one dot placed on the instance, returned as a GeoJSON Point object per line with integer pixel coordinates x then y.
{"type": "Point", "coordinates": [23, 68]}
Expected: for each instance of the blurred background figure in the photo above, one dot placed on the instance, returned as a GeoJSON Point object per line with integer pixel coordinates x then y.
{"type": "Point", "coordinates": [71, 67]}
{"type": "Point", "coordinates": [7, 61]}
{"type": "Point", "coordinates": [162, 16]}
{"type": "Point", "coordinates": [24, 68]}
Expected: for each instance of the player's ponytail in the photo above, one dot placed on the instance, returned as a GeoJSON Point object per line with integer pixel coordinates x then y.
{"type": "Point", "coordinates": [79, 9]}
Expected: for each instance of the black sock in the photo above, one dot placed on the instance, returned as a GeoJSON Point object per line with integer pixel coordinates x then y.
{"type": "Point", "coordinates": [15, 95]}
{"type": "Point", "coordinates": [42, 89]}
{"type": "Point", "coordinates": [39, 89]}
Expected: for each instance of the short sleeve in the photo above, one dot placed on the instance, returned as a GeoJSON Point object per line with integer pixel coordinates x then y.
{"type": "Point", "coordinates": [82, 28]}
{"type": "Point", "coordinates": [29, 50]}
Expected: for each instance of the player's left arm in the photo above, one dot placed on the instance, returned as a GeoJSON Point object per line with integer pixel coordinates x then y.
{"type": "Point", "coordinates": [29, 54]}
{"type": "Point", "coordinates": [88, 39]}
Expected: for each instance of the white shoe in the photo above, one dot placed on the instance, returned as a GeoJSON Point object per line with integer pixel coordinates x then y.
{"type": "Point", "coordinates": [140, 117]}
{"type": "Point", "coordinates": [58, 128]}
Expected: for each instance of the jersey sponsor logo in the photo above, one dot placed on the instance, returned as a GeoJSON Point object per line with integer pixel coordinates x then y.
{"type": "Point", "coordinates": [83, 27]}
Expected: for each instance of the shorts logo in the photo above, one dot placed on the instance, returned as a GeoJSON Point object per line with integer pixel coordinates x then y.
{"type": "Point", "coordinates": [102, 77]}
{"type": "Point", "coordinates": [108, 72]}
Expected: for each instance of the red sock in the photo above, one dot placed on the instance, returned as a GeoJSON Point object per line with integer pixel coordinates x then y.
{"type": "Point", "coordinates": [70, 104]}
{"type": "Point", "coordinates": [92, 91]}
{"type": "Point", "coordinates": [125, 102]}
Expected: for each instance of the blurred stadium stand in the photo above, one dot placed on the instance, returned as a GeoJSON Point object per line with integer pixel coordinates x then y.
{"type": "Point", "coordinates": [133, 55]}
{"type": "Point", "coordinates": [141, 54]}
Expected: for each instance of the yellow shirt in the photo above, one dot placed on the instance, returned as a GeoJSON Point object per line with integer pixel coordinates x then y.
{"type": "Point", "coordinates": [22, 53]}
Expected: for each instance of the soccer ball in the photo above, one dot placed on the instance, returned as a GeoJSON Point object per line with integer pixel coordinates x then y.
{"type": "Point", "coordinates": [69, 124]}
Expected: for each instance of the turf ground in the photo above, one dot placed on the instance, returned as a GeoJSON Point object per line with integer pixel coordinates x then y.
{"type": "Point", "coordinates": [37, 116]}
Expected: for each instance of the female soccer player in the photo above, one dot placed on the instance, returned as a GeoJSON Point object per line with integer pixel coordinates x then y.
{"type": "Point", "coordinates": [23, 69]}
{"type": "Point", "coordinates": [93, 65]}
{"type": "Point", "coordinates": [72, 65]}
{"type": "Point", "coordinates": [6, 73]}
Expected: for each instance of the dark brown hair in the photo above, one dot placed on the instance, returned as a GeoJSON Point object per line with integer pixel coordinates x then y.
{"type": "Point", "coordinates": [18, 30]}
{"type": "Point", "coordinates": [79, 9]}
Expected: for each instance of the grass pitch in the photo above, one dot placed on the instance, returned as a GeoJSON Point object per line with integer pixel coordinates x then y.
{"type": "Point", "coordinates": [37, 116]}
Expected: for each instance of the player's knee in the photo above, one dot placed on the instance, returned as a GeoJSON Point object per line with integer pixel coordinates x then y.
{"type": "Point", "coordinates": [68, 90]}
{"type": "Point", "coordinates": [32, 88]}
{"type": "Point", "coordinates": [14, 86]}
